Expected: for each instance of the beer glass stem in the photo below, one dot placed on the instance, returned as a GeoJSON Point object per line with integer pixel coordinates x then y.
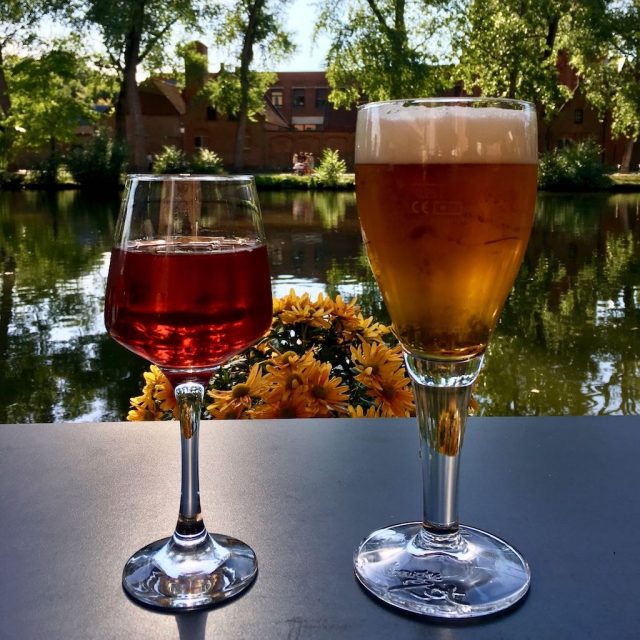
{"type": "Point", "coordinates": [442, 393]}
{"type": "Point", "coordinates": [190, 528]}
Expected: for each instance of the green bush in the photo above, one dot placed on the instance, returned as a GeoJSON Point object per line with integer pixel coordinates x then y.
{"type": "Point", "coordinates": [11, 180]}
{"type": "Point", "coordinates": [97, 164]}
{"type": "Point", "coordinates": [206, 161]}
{"type": "Point", "coordinates": [574, 167]}
{"type": "Point", "coordinates": [45, 170]}
{"type": "Point", "coordinates": [330, 169]}
{"type": "Point", "coordinates": [170, 160]}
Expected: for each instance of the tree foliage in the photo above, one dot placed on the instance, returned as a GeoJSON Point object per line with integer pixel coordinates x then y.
{"type": "Point", "coordinates": [18, 28]}
{"type": "Point", "coordinates": [245, 26]}
{"type": "Point", "coordinates": [510, 48]}
{"type": "Point", "coordinates": [608, 63]}
{"type": "Point", "coordinates": [51, 94]}
{"type": "Point", "coordinates": [225, 94]}
{"type": "Point", "coordinates": [383, 49]}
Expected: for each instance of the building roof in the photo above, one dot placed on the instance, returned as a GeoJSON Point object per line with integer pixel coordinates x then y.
{"type": "Point", "coordinates": [170, 91]}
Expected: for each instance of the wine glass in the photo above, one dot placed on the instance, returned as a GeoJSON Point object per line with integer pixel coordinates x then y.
{"type": "Point", "coordinates": [446, 192]}
{"type": "Point", "coordinates": [188, 288]}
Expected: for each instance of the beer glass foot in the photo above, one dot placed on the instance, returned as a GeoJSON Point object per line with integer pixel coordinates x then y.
{"type": "Point", "coordinates": [467, 573]}
{"type": "Point", "coordinates": [168, 576]}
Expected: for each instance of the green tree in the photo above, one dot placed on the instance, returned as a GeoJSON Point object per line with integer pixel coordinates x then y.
{"type": "Point", "coordinates": [18, 29]}
{"type": "Point", "coordinates": [247, 25]}
{"type": "Point", "coordinates": [510, 48]}
{"type": "Point", "coordinates": [608, 62]}
{"type": "Point", "coordinates": [51, 94]}
{"type": "Point", "coordinates": [133, 31]}
{"type": "Point", "coordinates": [383, 49]}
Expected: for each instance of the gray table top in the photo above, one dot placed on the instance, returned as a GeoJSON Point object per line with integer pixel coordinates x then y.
{"type": "Point", "coordinates": [78, 499]}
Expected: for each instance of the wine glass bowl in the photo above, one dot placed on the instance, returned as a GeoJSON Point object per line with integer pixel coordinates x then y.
{"type": "Point", "coordinates": [446, 193]}
{"type": "Point", "coordinates": [188, 288]}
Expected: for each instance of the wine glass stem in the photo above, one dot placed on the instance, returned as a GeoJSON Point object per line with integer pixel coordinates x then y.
{"type": "Point", "coordinates": [190, 527]}
{"type": "Point", "coordinates": [442, 393]}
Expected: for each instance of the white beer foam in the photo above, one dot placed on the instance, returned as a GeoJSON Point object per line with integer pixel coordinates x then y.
{"type": "Point", "coordinates": [395, 134]}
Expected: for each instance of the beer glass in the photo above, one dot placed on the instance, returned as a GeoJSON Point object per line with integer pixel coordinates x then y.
{"type": "Point", "coordinates": [446, 191]}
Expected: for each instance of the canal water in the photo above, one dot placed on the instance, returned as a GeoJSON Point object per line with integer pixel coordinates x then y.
{"type": "Point", "coordinates": [568, 342]}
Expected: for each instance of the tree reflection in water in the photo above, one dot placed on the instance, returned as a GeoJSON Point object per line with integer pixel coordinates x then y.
{"type": "Point", "coordinates": [568, 341]}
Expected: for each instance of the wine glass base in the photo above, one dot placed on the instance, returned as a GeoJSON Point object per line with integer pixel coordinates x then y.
{"type": "Point", "coordinates": [464, 575]}
{"type": "Point", "coordinates": [171, 576]}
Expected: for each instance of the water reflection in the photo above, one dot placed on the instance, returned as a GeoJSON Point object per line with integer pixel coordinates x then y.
{"type": "Point", "coordinates": [568, 341]}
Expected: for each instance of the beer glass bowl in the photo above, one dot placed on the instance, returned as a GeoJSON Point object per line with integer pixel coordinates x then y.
{"type": "Point", "coordinates": [188, 288]}
{"type": "Point", "coordinates": [446, 192]}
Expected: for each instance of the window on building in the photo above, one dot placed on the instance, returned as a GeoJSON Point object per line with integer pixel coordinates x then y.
{"type": "Point", "coordinates": [198, 142]}
{"type": "Point", "coordinates": [298, 97]}
{"type": "Point", "coordinates": [578, 116]}
{"type": "Point", "coordinates": [306, 127]}
{"type": "Point", "coordinates": [277, 98]}
{"type": "Point", "coordinates": [321, 97]}
{"type": "Point", "coordinates": [212, 114]}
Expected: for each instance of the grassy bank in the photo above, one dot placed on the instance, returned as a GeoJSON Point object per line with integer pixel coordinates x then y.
{"type": "Point", "coordinates": [290, 182]}
{"type": "Point", "coordinates": [619, 182]}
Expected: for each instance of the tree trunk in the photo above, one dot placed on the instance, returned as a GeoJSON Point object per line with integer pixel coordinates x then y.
{"type": "Point", "coordinates": [5, 100]}
{"type": "Point", "coordinates": [134, 109]}
{"type": "Point", "coordinates": [397, 37]}
{"type": "Point", "coordinates": [121, 117]}
{"type": "Point", "coordinates": [246, 58]}
{"type": "Point", "coordinates": [625, 164]}
{"type": "Point", "coordinates": [129, 126]}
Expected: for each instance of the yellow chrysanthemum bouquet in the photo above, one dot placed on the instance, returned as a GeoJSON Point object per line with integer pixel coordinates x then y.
{"type": "Point", "coordinates": [320, 359]}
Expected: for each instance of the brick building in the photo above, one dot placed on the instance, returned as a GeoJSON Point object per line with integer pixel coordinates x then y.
{"type": "Point", "coordinates": [298, 117]}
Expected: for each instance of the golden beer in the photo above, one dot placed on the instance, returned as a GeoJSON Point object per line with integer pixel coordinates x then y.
{"type": "Point", "coordinates": [445, 222]}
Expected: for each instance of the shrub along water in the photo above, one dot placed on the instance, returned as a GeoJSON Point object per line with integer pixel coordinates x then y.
{"type": "Point", "coordinates": [97, 164]}
{"type": "Point", "coordinates": [174, 160]}
{"type": "Point", "coordinates": [575, 167]}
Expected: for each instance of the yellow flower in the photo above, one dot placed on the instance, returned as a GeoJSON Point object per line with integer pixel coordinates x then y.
{"type": "Point", "coordinates": [303, 311]}
{"type": "Point", "coordinates": [144, 408]}
{"type": "Point", "coordinates": [375, 362]}
{"type": "Point", "coordinates": [234, 403]}
{"type": "Point", "coordinates": [291, 406]}
{"type": "Point", "coordinates": [380, 369]}
{"type": "Point", "coordinates": [359, 412]}
{"type": "Point", "coordinates": [286, 377]}
{"type": "Point", "coordinates": [164, 395]}
{"type": "Point", "coordinates": [154, 376]}
{"type": "Point", "coordinates": [394, 398]}
{"type": "Point", "coordinates": [345, 314]}
{"type": "Point", "coordinates": [286, 302]}
{"type": "Point", "coordinates": [326, 394]}
{"type": "Point", "coordinates": [370, 330]}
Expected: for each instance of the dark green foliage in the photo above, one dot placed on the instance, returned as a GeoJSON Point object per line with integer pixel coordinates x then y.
{"type": "Point", "coordinates": [98, 164]}
{"type": "Point", "coordinates": [11, 181]}
{"type": "Point", "coordinates": [572, 168]}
